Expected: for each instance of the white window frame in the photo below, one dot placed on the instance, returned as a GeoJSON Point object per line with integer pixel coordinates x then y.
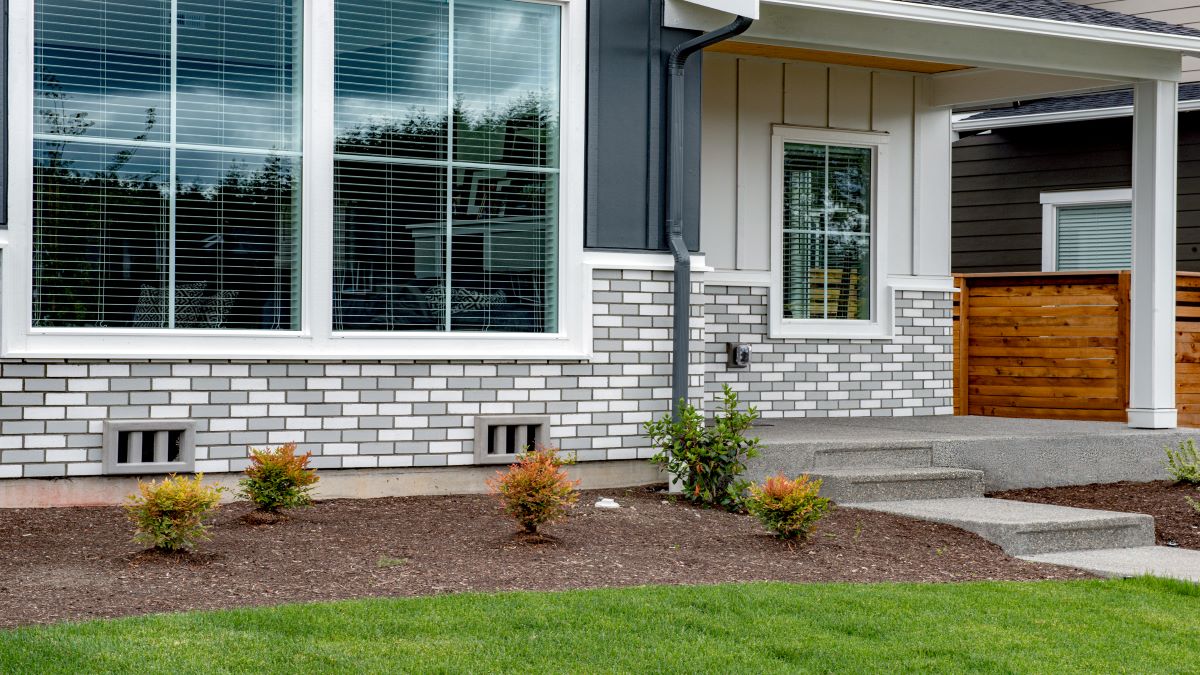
{"type": "Point", "coordinates": [315, 338]}
{"type": "Point", "coordinates": [879, 325]}
{"type": "Point", "coordinates": [1052, 201]}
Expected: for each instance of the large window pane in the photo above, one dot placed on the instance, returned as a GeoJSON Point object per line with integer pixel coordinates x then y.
{"type": "Point", "coordinates": [439, 230]}
{"type": "Point", "coordinates": [102, 235]}
{"type": "Point", "coordinates": [826, 232]}
{"type": "Point", "coordinates": [149, 217]}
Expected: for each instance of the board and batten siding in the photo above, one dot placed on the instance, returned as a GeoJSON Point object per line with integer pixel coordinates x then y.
{"type": "Point", "coordinates": [1180, 12]}
{"type": "Point", "coordinates": [744, 97]}
{"type": "Point", "coordinates": [999, 177]}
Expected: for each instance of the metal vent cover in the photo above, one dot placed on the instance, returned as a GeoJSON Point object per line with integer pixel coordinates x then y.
{"type": "Point", "coordinates": [500, 438]}
{"type": "Point", "coordinates": [149, 446]}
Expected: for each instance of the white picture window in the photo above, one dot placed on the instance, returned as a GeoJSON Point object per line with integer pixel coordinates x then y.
{"type": "Point", "coordinates": [1087, 230]}
{"type": "Point", "coordinates": [826, 223]}
{"type": "Point", "coordinates": [291, 178]}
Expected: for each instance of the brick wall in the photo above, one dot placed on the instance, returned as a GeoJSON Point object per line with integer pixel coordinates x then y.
{"type": "Point", "coordinates": [909, 374]}
{"type": "Point", "coordinates": [401, 414]}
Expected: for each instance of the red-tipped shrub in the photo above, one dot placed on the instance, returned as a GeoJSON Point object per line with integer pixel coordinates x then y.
{"type": "Point", "coordinates": [278, 479]}
{"type": "Point", "coordinates": [535, 490]}
{"type": "Point", "coordinates": [788, 508]}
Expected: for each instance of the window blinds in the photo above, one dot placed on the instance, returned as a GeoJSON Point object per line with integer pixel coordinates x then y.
{"type": "Point", "coordinates": [166, 161]}
{"type": "Point", "coordinates": [1094, 237]}
{"type": "Point", "coordinates": [446, 166]}
{"type": "Point", "coordinates": [826, 232]}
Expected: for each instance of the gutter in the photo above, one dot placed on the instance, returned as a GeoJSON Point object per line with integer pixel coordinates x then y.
{"type": "Point", "coordinates": [969, 124]}
{"type": "Point", "coordinates": [682, 283]}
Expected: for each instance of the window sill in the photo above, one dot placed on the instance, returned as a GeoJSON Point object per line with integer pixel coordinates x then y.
{"type": "Point", "coordinates": [829, 330]}
{"type": "Point", "coordinates": [196, 345]}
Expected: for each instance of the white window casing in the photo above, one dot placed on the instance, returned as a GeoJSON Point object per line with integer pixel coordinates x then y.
{"type": "Point", "coordinates": [1075, 205]}
{"type": "Point", "coordinates": [315, 337]}
{"type": "Point", "coordinates": [880, 324]}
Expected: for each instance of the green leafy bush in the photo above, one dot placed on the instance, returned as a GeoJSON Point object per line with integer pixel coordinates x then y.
{"type": "Point", "coordinates": [707, 459]}
{"type": "Point", "coordinates": [169, 516]}
{"type": "Point", "coordinates": [789, 509]}
{"type": "Point", "coordinates": [1184, 464]}
{"type": "Point", "coordinates": [278, 479]}
{"type": "Point", "coordinates": [535, 491]}
{"type": "Point", "coordinates": [1195, 503]}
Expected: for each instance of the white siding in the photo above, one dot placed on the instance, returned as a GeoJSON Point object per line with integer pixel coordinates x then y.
{"type": "Point", "coordinates": [744, 97]}
{"type": "Point", "coordinates": [1181, 12]}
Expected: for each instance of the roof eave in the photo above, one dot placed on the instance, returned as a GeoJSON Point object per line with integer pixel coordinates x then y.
{"type": "Point", "coordinates": [897, 9]}
{"type": "Point", "coordinates": [1058, 117]}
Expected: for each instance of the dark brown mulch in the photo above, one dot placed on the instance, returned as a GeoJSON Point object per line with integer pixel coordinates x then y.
{"type": "Point", "coordinates": [1176, 523]}
{"type": "Point", "coordinates": [78, 563]}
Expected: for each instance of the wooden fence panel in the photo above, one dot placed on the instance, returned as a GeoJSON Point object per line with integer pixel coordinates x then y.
{"type": "Point", "coordinates": [1044, 345]}
{"type": "Point", "coordinates": [1187, 348]}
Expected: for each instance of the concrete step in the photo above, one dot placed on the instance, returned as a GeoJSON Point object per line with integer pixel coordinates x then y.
{"type": "Point", "coordinates": [1026, 529]}
{"type": "Point", "coordinates": [886, 485]}
{"type": "Point", "coordinates": [1161, 561]}
{"type": "Point", "coordinates": [872, 458]}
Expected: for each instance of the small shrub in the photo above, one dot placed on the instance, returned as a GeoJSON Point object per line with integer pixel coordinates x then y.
{"type": "Point", "coordinates": [1184, 464]}
{"type": "Point", "coordinates": [169, 516]}
{"type": "Point", "coordinates": [707, 459]}
{"type": "Point", "coordinates": [1194, 503]}
{"type": "Point", "coordinates": [788, 508]}
{"type": "Point", "coordinates": [535, 491]}
{"type": "Point", "coordinates": [278, 479]}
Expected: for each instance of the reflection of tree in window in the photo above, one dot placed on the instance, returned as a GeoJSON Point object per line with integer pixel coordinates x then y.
{"type": "Point", "coordinates": [826, 232]}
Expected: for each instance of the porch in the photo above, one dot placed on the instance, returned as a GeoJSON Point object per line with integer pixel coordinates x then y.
{"type": "Point", "coordinates": [1012, 453]}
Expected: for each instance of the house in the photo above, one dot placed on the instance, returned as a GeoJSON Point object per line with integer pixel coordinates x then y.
{"type": "Point", "coordinates": [1045, 185]}
{"type": "Point", "coordinates": [414, 235]}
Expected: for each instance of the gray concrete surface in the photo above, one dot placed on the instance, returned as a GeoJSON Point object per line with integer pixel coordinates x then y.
{"type": "Point", "coordinates": [888, 484]}
{"type": "Point", "coordinates": [1013, 453]}
{"type": "Point", "coordinates": [1024, 528]}
{"type": "Point", "coordinates": [1161, 561]}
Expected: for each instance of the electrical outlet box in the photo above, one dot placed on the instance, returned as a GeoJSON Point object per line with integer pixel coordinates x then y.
{"type": "Point", "coordinates": [738, 353]}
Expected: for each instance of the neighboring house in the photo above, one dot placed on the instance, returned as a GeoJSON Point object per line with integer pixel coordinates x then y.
{"type": "Point", "coordinates": [1045, 185]}
{"type": "Point", "coordinates": [416, 235]}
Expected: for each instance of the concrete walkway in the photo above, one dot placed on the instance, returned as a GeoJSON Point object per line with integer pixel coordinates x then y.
{"type": "Point", "coordinates": [1161, 561]}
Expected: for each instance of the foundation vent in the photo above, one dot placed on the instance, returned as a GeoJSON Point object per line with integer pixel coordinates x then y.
{"type": "Point", "coordinates": [499, 439]}
{"type": "Point", "coordinates": [149, 446]}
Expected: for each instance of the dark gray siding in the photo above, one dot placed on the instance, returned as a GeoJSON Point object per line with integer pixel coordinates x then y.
{"type": "Point", "coordinates": [999, 178]}
{"type": "Point", "coordinates": [627, 50]}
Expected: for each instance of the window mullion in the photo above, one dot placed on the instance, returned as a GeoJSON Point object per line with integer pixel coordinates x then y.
{"type": "Point", "coordinates": [171, 164]}
{"type": "Point", "coordinates": [448, 272]}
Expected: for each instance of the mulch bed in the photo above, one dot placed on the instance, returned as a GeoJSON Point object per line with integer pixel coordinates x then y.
{"type": "Point", "coordinates": [79, 563]}
{"type": "Point", "coordinates": [1175, 522]}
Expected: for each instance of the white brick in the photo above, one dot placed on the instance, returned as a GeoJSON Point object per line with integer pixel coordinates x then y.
{"type": "Point", "coordinates": [10, 470]}
{"type": "Point", "coordinates": [72, 455]}
{"type": "Point", "coordinates": [212, 466]}
{"type": "Point", "coordinates": [360, 462]}
{"type": "Point", "coordinates": [85, 469]}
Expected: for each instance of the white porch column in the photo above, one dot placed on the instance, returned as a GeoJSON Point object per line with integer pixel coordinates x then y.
{"type": "Point", "coordinates": [1152, 306]}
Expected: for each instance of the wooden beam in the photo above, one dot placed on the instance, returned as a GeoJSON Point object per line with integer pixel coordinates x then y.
{"type": "Point", "coordinates": [835, 58]}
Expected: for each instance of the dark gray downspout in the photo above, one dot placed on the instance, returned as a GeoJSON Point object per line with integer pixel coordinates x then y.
{"type": "Point", "coordinates": [676, 67]}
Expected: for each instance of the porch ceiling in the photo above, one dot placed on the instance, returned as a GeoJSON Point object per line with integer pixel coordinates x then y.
{"type": "Point", "coordinates": [836, 58]}
{"type": "Point", "coordinates": [929, 34]}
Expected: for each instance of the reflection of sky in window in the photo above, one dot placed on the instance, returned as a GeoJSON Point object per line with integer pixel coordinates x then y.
{"type": "Point", "coordinates": [235, 69]}
{"type": "Point", "coordinates": [392, 58]}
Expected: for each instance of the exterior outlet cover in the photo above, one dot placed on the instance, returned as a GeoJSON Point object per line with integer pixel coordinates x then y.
{"type": "Point", "coordinates": [739, 354]}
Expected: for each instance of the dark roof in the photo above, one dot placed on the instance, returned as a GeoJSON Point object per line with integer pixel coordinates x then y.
{"type": "Point", "coordinates": [1064, 11]}
{"type": "Point", "coordinates": [1065, 104]}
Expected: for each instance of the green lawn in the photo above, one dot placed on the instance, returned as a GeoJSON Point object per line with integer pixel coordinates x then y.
{"type": "Point", "coordinates": [1140, 625]}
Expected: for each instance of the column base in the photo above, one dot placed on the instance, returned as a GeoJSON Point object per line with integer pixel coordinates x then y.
{"type": "Point", "coordinates": [1153, 418]}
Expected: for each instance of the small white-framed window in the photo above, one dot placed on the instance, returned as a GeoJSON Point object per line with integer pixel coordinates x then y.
{"type": "Point", "coordinates": [1087, 230]}
{"type": "Point", "coordinates": [297, 179]}
{"type": "Point", "coordinates": [827, 233]}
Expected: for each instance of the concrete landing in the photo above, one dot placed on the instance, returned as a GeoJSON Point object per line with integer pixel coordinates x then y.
{"type": "Point", "coordinates": [1161, 561]}
{"type": "Point", "coordinates": [1024, 528]}
{"type": "Point", "coordinates": [1012, 453]}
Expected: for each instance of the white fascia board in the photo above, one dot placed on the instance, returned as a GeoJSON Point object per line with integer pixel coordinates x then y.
{"type": "Point", "coordinates": [968, 124]}
{"type": "Point", "coordinates": [969, 17]}
{"type": "Point", "coordinates": [746, 8]}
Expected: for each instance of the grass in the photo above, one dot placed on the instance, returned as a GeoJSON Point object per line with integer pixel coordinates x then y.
{"type": "Point", "coordinates": [1138, 625]}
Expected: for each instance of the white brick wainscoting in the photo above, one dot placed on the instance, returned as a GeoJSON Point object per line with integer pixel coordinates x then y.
{"type": "Point", "coordinates": [371, 414]}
